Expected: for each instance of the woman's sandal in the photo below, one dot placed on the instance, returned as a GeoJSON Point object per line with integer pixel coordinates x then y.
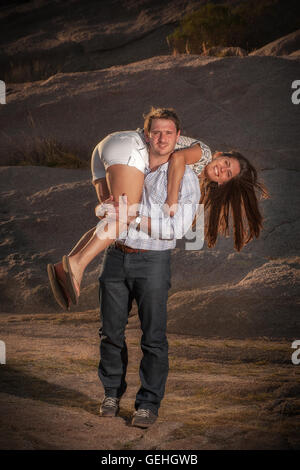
{"type": "Point", "coordinates": [58, 288]}
{"type": "Point", "coordinates": [70, 280]}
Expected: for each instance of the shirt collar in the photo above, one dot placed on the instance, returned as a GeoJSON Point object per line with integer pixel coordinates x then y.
{"type": "Point", "coordinates": [163, 167]}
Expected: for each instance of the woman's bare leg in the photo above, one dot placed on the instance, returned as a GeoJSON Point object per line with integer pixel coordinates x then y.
{"type": "Point", "coordinates": [82, 242]}
{"type": "Point", "coordinates": [103, 194]}
{"type": "Point", "coordinates": [121, 179]}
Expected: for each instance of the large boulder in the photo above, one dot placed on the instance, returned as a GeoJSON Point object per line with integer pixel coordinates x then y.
{"type": "Point", "coordinates": [286, 45]}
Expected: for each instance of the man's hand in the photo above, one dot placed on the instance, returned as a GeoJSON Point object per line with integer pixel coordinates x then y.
{"type": "Point", "coordinates": [117, 211]}
{"type": "Point", "coordinates": [100, 210]}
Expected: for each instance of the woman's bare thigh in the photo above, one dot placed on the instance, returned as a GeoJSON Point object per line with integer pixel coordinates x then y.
{"type": "Point", "coordinates": [124, 179]}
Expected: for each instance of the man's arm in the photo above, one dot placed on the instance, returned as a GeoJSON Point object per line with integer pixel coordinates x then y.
{"type": "Point", "coordinates": [101, 189]}
{"type": "Point", "coordinates": [158, 224]}
{"type": "Point", "coordinates": [161, 226]}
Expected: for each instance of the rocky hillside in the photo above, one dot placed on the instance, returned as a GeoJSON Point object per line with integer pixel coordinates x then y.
{"type": "Point", "coordinates": [239, 102]}
{"type": "Point", "coordinates": [40, 38]}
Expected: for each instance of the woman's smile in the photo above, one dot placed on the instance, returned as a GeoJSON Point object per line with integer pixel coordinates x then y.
{"type": "Point", "coordinates": [216, 169]}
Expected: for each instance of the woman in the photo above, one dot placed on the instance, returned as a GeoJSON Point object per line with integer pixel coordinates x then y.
{"type": "Point", "coordinates": [229, 181]}
{"type": "Point", "coordinates": [127, 176]}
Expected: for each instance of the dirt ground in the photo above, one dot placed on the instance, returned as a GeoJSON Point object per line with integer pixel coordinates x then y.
{"type": "Point", "coordinates": [220, 394]}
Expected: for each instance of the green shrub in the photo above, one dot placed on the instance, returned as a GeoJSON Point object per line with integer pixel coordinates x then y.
{"type": "Point", "coordinates": [212, 25]}
{"type": "Point", "coordinates": [248, 25]}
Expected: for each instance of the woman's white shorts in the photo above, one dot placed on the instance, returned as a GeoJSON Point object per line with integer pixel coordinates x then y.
{"type": "Point", "coordinates": [119, 148]}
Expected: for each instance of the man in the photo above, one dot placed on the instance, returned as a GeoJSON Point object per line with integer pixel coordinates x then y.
{"type": "Point", "coordinates": [137, 267]}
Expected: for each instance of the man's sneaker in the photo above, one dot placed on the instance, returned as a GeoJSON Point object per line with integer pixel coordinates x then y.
{"type": "Point", "coordinates": [143, 418]}
{"type": "Point", "coordinates": [109, 406]}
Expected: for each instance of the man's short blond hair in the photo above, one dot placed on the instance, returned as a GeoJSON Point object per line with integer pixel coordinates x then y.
{"type": "Point", "coordinates": [161, 113]}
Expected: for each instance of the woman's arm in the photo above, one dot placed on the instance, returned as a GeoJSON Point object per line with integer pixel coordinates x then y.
{"type": "Point", "coordinates": [176, 170]}
{"type": "Point", "coordinates": [191, 154]}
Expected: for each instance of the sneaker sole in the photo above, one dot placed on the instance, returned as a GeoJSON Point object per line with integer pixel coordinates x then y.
{"type": "Point", "coordinates": [105, 414]}
{"type": "Point", "coordinates": [142, 425]}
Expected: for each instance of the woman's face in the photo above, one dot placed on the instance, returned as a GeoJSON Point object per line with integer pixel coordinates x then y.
{"type": "Point", "coordinates": [222, 169]}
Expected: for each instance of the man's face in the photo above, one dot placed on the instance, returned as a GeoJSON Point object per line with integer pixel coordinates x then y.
{"type": "Point", "coordinates": [162, 137]}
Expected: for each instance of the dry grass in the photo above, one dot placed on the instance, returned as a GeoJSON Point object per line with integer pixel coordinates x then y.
{"type": "Point", "coordinates": [46, 152]}
{"type": "Point", "coordinates": [28, 70]}
{"type": "Point", "coordinates": [40, 150]}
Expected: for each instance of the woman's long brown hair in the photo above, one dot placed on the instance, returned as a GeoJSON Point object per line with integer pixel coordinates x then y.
{"type": "Point", "coordinates": [237, 200]}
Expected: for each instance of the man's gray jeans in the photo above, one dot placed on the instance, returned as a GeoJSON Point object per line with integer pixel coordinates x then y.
{"type": "Point", "coordinates": [144, 276]}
